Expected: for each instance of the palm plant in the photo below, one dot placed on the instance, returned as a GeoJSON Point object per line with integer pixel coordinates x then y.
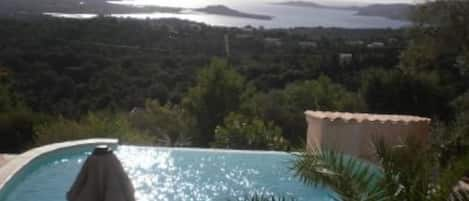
{"type": "Point", "coordinates": [408, 172]}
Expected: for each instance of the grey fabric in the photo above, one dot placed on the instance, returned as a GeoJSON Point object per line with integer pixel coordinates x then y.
{"type": "Point", "coordinates": [102, 178]}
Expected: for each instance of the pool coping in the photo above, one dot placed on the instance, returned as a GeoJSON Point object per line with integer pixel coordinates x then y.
{"type": "Point", "coordinates": [12, 167]}
{"type": "Point", "coordinates": [220, 150]}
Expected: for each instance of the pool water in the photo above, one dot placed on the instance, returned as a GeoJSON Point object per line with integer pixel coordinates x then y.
{"type": "Point", "coordinates": [168, 174]}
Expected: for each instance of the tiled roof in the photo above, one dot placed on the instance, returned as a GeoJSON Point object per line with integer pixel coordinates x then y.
{"type": "Point", "coordinates": [364, 117]}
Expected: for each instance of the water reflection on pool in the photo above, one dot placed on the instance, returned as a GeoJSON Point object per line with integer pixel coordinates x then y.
{"type": "Point", "coordinates": [165, 174]}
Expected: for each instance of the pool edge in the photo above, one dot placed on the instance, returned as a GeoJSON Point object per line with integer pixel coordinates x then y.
{"type": "Point", "coordinates": [12, 167]}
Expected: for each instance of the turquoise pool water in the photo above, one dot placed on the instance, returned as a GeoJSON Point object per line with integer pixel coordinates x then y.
{"type": "Point", "coordinates": [167, 174]}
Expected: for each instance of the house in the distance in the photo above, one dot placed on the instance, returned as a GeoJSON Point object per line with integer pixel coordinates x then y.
{"type": "Point", "coordinates": [308, 44]}
{"type": "Point", "coordinates": [272, 42]}
{"type": "Point", "coordinates": [355, 43]}
{"type": "Point", "coordinates": [375, 45]}
{"type": "Point", "coordinates": [243, 36]}
{"type": "Point", "coordinates": [345, 58]}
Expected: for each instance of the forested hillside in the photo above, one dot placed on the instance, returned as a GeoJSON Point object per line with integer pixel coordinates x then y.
{"type": "Point", "coordinates": [70, 67]}
{"type": "Point", "coordinates": [180, 83]}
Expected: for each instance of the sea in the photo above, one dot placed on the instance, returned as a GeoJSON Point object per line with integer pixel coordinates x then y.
{"type": "Point", "coordinates": [283, 16]}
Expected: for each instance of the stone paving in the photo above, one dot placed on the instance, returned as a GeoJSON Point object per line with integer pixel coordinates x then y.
{"type": "Point", "coordinates": [4, 158]}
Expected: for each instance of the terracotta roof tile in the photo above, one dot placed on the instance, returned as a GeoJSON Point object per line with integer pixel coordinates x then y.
{"type": "Point", "coordinates": [364, 117]}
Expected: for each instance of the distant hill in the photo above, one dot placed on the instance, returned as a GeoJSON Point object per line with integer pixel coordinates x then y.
{"type": "Point", "coordinates": [313, 5]}
{"type": "Point", "coordinates": [301, 4]}
{"type": "Point", "coordinates": [102, 7]}
{"type": "Point", "coordinates": [14, 7]}
{"type": "Point", "coordinates": [223, 10]}
{"type": "Point", "coordinates": [391, 11]}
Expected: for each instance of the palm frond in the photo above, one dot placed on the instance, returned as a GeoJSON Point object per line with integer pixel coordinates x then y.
{"type": "Point", "coordinates": [450, 184]}
{"type": "Point", "coordinates": [408, 169]}
{"type": "Point", "coordinates": [459, 195]}
{"type": "Point", "coordinates": [350, 178]}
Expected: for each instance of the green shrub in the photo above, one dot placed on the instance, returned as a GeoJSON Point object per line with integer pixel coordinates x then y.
{"type": "Point", "coordinates": [242, 132]}
{"type": "Point", "coordinates": [92, 126]}
{"type": "Point", "coordinates": [169, 124]}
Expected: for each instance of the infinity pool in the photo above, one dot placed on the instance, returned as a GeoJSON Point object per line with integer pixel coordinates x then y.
{"type": "Point", "coordinates": [168, 174]}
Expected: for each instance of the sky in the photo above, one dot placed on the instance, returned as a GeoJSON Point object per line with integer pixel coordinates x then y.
{"type": "Point", "coordinates": [362, 2]}
{"type": "Point", "coordinates": [380, 1]}
{"type": "Point", "coordinates": [384, 1]}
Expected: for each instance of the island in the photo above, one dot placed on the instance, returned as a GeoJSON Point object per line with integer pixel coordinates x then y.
{"type": "Point", "coordinates": [308, 4]}
{"type": "Point", "coordinates": [223, 10]}
{"type": "Point", "coordinates": [396, 11]}
{"type": "Point", "coordinates": [391, 11]}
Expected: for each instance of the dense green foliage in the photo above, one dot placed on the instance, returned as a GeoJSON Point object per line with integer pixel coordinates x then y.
{"type": "Point", "coordinates": [441, 47]}
{"type": "Point", "coordinates": [169, 124]}
{"type": "Point", "coordinates": [94, 125]}
{"type": "Point", "coordinates": [439, 53]}
{"type": "Point", "coordinates": [217, 92]}
{"type": "Point", "coordinates": [16, 121]}
{"type": "Point", "coordinates": [245, 132]}
{"type": "Point", "coordinates": [71, 67]}
{"type": "Point", "coordinates": [388, 91]}
{"type": "Point", "coordinates": [285, 107]}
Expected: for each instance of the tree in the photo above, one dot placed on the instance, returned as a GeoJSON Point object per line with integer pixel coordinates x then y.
{"type": "Point", "coordinates": [286, 107]}
{"type": "Point", "coordinates": [390, 91]}
{"type": "Point", "coordinates": [439, 46]}
{"type": "Point", "coordinates": [453, 137]}
{"type": "Point", "coordinates": [440, 34]}
{"type": "Point", "coordinates": [440, 43]}
{"type": "Point", "coordinates": [322, 94]}
{"type": "Point", "coordinates": [243, 132]}
{"type": "Point", "coordinates": [217, 92]}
